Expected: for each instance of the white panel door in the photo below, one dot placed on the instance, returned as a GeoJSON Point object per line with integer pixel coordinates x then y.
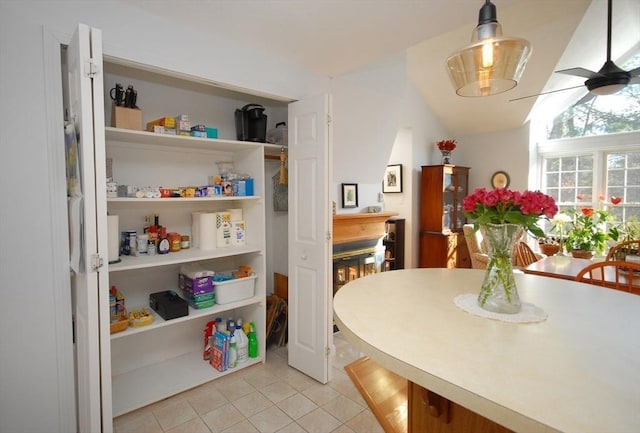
{"type": "Point", "coordinates": [90, 281]}
{"type": "Point", "coordinates": [309, 238]}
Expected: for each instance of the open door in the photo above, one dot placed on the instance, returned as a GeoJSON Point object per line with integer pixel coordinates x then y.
{"type": "Point", "coordinates": [89, 280]}
{"type": "Point", "coordinates": [309, 238]}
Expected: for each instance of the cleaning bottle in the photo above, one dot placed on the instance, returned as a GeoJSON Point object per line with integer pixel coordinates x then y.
{"type": "Point", "coordinates": [242, 344]}
{"type": "Point", "coordinates": [253, 341]}
{"type": "Point", "coordinates": [233, 351]}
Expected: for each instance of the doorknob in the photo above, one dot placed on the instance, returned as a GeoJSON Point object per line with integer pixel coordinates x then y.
{"type": "Point", "coordinates": [304, 256]}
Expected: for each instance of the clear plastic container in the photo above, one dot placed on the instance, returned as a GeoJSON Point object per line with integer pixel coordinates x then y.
{"type": "Point", "coordinates": [278, 135]}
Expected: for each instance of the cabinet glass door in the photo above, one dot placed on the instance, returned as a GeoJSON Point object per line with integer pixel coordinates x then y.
{"type": "Point", "coordinates": [455, 182]}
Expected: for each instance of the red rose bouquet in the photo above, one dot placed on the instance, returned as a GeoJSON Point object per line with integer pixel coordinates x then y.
{"type": "Point", "coordinates": [446, 145]}
{"type": "Point", "coordinates": [503, 206]}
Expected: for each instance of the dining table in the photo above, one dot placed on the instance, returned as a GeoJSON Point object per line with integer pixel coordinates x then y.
{"type": "Point", "coordinates": [565, 267]}
{"type": "Point", "coordinates": [575, 369]}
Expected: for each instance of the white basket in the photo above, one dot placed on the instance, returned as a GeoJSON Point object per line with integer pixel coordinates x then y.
{"type": "Point", "coordinates": [234, 290]}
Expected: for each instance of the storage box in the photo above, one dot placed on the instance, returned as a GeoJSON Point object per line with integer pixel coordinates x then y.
{"type": "Point", "coordinates": [128, 118]}
{"type": "Point", "coordinates": [168, 304]}
{"type": "Point", "coordinates": [234, 290]}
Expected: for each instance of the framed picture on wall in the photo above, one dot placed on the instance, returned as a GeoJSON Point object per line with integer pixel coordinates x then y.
{"type": "Point", "coordinates": [392, 179]}
{"type": "Point", "coordinates": [349, 195]}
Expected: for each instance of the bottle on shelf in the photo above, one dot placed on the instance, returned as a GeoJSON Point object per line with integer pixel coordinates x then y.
{"type": "Point", "coordinates": [233, 351]}
{"type": "Point", "coordinates": [242, 343]}
{"type": "Point", "coordinates": [163, 241]}
{"type": "Point", "coordinates": [253, 341]}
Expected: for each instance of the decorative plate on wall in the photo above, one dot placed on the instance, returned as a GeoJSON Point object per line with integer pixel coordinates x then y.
{"type": "Point", "coordinates": [500, 179]}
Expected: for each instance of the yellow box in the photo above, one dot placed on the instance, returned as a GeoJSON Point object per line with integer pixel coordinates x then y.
{"type": "Point", "coordinates": [127, 118]}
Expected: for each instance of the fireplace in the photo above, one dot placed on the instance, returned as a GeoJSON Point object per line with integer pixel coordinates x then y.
{"type": "Point", "coordinates": [358, 250]}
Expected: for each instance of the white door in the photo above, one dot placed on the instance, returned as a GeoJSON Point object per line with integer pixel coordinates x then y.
{"type": "Point", "coordinates": [90, 280]}
{"type": "Point", "coordinates": [309, 237]}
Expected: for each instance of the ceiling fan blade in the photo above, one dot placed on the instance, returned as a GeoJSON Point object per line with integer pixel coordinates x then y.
{"type": "Point", "coordinates": [635, 72]}
{"type": "Point", "coordinates": [545, 93]}
{"type": "Point", "coordinates": [635, 80]}
{"type": "Point", "coordinates": [580, 72]}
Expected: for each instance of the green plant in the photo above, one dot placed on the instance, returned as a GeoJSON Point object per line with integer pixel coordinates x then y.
{"type": "Point", "coordinates": [587, 230]}
{"type": "Point", "coordinates": [629, 230]}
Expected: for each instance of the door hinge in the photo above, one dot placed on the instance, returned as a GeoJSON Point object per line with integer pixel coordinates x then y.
{"type": "Point", "coordinates": [328, 119]}
{"type": "Point", "coordinates": [328, 236]}
{"type": "Point", "coordinates": [96, 262]}
{"type": "Point", "coordinates": [91, 69]}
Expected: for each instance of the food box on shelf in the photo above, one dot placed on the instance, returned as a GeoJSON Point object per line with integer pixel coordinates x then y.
{"type": "Point", "coordinates": [195, 285]}
{"type": "Point", "coordinates": [235, 289]}
{"type": "Point", "coordinates": [119, 323]}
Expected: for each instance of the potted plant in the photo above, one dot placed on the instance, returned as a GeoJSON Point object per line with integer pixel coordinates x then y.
{"type": "Point", "coordinates": [587, 234]}
{"type": "Point", "coordinates": [549, 245]}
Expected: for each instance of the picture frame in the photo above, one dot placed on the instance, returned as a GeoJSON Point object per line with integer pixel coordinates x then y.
{"type": "Point", "coordinates": [500, 179]}
{"type": "Point", "coordinates": [392, 181]}
{"type": "Point", "coordinates": [349, 195]}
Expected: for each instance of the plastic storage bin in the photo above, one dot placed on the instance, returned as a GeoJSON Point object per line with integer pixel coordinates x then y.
{"type": "Point", "coordinates": [234, 290]}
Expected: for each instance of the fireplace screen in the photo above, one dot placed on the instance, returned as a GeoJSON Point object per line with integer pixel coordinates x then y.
{"type": "Point", "coordinates": [354, 261]}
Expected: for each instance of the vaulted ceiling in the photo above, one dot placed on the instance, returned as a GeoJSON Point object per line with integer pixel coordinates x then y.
{"type": "Point", "coordinates": [333, 37]}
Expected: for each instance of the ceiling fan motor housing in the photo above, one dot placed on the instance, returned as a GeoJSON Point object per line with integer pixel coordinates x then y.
{"type": "Point", "coordinates": [608, 75]}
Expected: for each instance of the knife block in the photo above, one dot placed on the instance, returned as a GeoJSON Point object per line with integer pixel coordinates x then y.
{"type": "Point", "coordinates": [128, 118]}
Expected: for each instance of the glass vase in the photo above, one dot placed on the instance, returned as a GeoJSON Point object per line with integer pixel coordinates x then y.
{"type": "Point", "coordinates": [446, 156]}
{"type": "Point", "coordinates": [499, 292]}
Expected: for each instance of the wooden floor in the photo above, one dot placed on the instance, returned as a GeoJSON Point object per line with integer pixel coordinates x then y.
{"type": "Point", "coordinates": [384, 391]}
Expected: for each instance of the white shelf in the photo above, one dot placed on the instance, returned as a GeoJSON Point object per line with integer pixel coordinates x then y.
{"type": "Point", "coordinates": [133, 200]}
{"type": "Point", "coordinates": [153, 139]}
{"type": "Point", "coordinates": [183, 256]}
{"type": "Point", "coordinates": [146, 385]}
{"type": "Point", "coordinates": [194, 313]}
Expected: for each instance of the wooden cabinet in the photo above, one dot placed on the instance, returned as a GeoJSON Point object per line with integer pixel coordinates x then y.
{"type": "Point", "coordinates": [394, 244]}
{"type": "Point", "coordinates": [430, 412]}
{"type": "Point", "coordinates": [442, 244]}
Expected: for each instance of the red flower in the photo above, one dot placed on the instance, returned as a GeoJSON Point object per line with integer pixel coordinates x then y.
{"type": "Point", "coordinates": [616, 200]}
{"type": "Point", "coordinates": [446, 145]}
{"type": "Point", "coordinates": [587, 211]}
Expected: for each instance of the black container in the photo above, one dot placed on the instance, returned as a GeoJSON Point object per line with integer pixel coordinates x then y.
{"type": "Point", "coordinates": [168, 304]}
{"type": "Point", "coordinates": [251, 123]}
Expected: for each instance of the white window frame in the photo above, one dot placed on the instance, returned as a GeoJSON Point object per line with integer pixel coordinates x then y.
{"type": "Point", "coordinates": [597, 146]}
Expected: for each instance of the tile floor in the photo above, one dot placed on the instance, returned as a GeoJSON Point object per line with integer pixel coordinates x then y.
{"type": "Point", "coordinates": [269, 397]}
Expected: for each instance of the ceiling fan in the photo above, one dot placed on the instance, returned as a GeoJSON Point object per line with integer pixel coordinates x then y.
{"type": "Point", "coordinates": [608, 80]}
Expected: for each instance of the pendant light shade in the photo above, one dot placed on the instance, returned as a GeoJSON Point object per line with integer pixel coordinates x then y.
{"type": "Point", "coordinates": [493, 63]}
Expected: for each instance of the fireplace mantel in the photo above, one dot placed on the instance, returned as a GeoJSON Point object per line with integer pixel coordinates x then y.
{"type": "Point", "coordinates": [356, 227]}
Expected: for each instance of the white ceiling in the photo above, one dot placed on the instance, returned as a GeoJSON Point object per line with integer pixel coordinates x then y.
{"type": "Point", "coordinates": [333, 37]}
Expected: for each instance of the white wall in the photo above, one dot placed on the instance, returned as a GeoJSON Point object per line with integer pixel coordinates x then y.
{"type": "Point", "coordinates": [34, 378]}
{"type": "Point", "coordinates": [509, 152]}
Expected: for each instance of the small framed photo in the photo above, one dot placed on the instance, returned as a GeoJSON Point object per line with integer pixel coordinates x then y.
{"type": "Point", "coordinates": [349, 195]}
{"type": "Point", "coordinates": [392, 179]}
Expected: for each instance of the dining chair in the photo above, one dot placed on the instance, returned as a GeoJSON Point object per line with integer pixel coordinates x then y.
{"type": "Point", "coordinates": [620, 250]}
{"type": "Point", "coordinates": [614, 274]}
{"type": "Point", "coordinates": [524, 255]}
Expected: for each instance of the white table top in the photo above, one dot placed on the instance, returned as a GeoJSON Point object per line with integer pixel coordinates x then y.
{"type": "Point", "coordinates": [577, 371]}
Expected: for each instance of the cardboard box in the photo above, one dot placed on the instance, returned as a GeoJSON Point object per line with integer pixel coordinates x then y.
{"type": "Point", "coordinates": [127, 118]}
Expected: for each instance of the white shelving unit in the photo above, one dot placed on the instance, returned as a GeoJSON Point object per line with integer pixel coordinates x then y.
{"type": "Point", "coordinates": [156, 361]}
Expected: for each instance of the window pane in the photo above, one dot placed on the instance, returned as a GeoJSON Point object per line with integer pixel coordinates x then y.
{"type": "Point", "coordinates": [568, 180]}
{"type": "Point", "coordinates": [552, 164]}
{"type": "Point", "coordinates": [585, 162]}
{"type": "Point", "coordinates": [569, 164]}
{"type": "Point", "coordinates": [552, 181]}
{"type": "Point", "coordinates": [633, 177]}
{"type": "Point", "coordinates": [615, 161]}
{"type": "Point", "coordinates": [615, 178]}
{"type": "Point", "coordinates": [585, 179]}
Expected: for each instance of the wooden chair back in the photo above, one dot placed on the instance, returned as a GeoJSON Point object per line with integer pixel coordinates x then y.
{"type": "Point", "coordinates": [613, 274]}
{"type": "Point", "coordinates": [524, 255]}
{"type": "Point", "coordinates": [621, 249]}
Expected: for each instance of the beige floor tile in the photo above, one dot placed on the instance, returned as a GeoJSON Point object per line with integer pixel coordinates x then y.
{"type": "Point", "coordinates": [270, 420]}
{"type": "Point", "coordinates": [242, 427]}
{"type": "Point", "coordinates": [343, 429]}
{"type": "Point", "coordinates": [299, 381]}
{"type": "Point", "coordinates": [297, 406]}
{"type": "Point", "coordinates": [142, 421]}
{"type": "Point", "coordinates": [260, 378]}
{"type": "Point", "coordinates": [319, 421]}
{"type": "Point", "coordinates": [233, 387]}
{"type": "Point", "coordinates": [205, 399]}
{"type": "Point", "coordinates": [364, 422]}
{"type": "Point", "coordinates": [292, 428]}
{"type": "Point", "coordinates": [174, 413]}
{"type": "Point", "coordinates": [196, 425]}
{"type": "Point", "coordinates": [252, 403]}
{"type": "Point", "coordinates": [278, 391]}
{"type": "Point", "coordinates": [342, 408]}
{"type": "Point", "coordinates": [320, 394]}
{"type": "Point", "coordinates": [222, 418]}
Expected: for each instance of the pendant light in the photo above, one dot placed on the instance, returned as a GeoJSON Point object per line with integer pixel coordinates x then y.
{"type": "Point", "coordinates": [493, 63]}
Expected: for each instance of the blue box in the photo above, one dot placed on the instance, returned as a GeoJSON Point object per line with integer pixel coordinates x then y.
{"type": "Point", "coordinates": [212, 132]}
{"type": "Point", "coordinates": [248, 186]}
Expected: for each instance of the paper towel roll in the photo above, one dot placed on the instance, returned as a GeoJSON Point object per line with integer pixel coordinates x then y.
{"type": "Point", "coordinates": [113, 238]}
{"type": "Point", "coordinates": [207, 229]}
{"type": "Point", "coordinates": [195, 229]}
